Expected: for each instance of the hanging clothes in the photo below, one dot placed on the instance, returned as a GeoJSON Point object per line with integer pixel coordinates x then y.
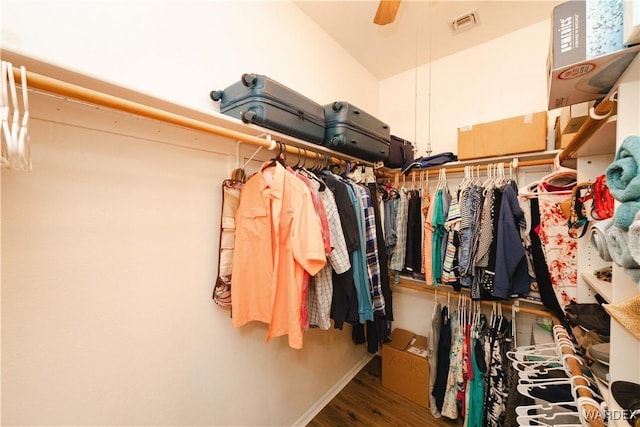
{"type": "Point", "coordinates": [413, 262]}
{"type": "Point", "coordinates": [424, 209]}
{"type": "Point", "coordinates": [470, 233]}
{"type": "Point", "coordinates": [512, 272]}
{"type": "Point", "coordinates": [427, 242]}
{"type": "Point", "coordinates": [543, 279]}
{"type": "Point", "coordinates": [384, 266]}
{"type": "Point", "coordinates": [438, 234]}
{"type": "Point", "coordinates": [278, 238]}
{"type": "Point", "coordinates": [450, 272]}
{"type": "Point", "coordinates": [433, 339]}
{"type": "Point", "coordinates": [475, 413]}
{"type": "Point", "coordinates": [497, 388]}
{"type": "Point", "coordinates": [446, 204]}
{"type": "Point", "coordinates": [321, 289]}
{"type": "Point", "coordinates": [485, 238]}
{"type": "Point", "coordinates": [559, 248]}
{"type": "Point", "coordinates": [359, 261]}
{"type": "Point", "coordinates": [324, 229]}
{"type": "Point", "coordinates": [487, 275]}
{"type": "Point", "coordinates": [371, 252]}
{"type": "Point", "coordinates": [442, 371]}
{"type": "Point", "coordinates": [390, 212]}
{"type": "Point", "coordinates": [343, 284]}
{"type": "Point", "coordinates": [454, 377]}
{"type": "Point", "coordinates": [399, 253]}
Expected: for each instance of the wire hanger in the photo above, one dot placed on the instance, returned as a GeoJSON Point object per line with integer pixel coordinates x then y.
{"type": "Point", "coordinates": [279, 157]}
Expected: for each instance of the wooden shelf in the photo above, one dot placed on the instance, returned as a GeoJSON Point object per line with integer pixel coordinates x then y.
{"type": "Point", "coordinates": [523, 305]}
{"type": "Point", "coordinates": [602, 287]}
{"type": "Point", "coordinates": [603, 140]}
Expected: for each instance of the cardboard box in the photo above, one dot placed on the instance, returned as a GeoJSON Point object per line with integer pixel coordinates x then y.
{"type": "Point", "coordinates": [587, 54]}
{"type": "Point", "coordinates": [574, 116]}
{"type": "Point", "coordinates": [563, 140]}
{"type": "Point", "coordinates": [515, 135]}
{"type": "Point", "coordinates": [405, 367]}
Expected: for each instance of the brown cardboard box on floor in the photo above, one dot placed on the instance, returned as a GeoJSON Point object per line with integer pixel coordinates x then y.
{"type": "Point", "coordinates": [405, 368]}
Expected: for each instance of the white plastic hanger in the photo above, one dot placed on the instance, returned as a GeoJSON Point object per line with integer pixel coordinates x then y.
{"type": "Point", "coordinates": [7, 141]}
{"type": "Point", "coordinates": [559, 172]}
{"type": "Point", "coordinates": [582, 401]}
{"type": "Point", "coordinates": [15, 117]}
{"type": "Point", "coordinates": [24, 148]}
{"type": "Point", "coordinates": [530, 420]}
{"type": "Point", "coordinates": [524, 411]}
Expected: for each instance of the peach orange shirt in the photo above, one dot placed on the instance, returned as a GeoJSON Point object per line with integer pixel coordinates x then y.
{"type": "Point", "coordinates": [278, 237]}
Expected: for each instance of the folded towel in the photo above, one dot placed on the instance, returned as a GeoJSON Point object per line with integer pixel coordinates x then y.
{"type": "Point", "coordinates": [622, 175]}
{"type": "Point", "coordinates": [598, 238]}
{"type": "Point", "coordinates": [634, 238]}
{"type": "Point", "coordinates": [617, 242]}
{"type": "Point", "coordinates": [624, 214]}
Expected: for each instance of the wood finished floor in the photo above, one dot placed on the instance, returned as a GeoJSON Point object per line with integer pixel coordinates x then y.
{"type": "Point", "coordinates": [364, 402]}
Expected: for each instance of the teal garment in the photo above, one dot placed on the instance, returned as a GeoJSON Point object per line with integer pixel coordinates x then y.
{"type": "Point", "coordinates": [359, 262]}
{"type": "Point", "coordinates": [438, 234]}
{"type": "Point", "coordinates": [475, 389]}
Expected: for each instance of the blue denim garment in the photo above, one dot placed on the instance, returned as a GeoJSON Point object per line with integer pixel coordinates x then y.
{"type": "Point", "coordinates": [390, 232]}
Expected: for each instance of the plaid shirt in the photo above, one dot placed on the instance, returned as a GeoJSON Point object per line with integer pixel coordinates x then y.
{"type": "Point", "coordinates": [373, 265]}
{"type": "Point", "coordinates": [321, 291]}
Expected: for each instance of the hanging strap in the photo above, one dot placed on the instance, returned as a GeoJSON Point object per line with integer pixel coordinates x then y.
{"type": "Point", "coordinates": [578, 220]}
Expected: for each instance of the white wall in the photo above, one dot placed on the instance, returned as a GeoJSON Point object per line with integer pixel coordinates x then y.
{"type": "Point", "coordinates": [502, 78]}
{"type": "Point", "coordinates": [180, 50]}
{"type": "Point", "coordinates": [111, 240]}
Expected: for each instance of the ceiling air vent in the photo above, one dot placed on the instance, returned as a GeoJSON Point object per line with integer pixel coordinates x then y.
{"type": "Point", "coordinates": [465, 22]}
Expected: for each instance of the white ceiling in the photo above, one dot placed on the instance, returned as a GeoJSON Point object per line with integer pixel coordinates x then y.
{"type": "Point", "coordinates": [422, 29]}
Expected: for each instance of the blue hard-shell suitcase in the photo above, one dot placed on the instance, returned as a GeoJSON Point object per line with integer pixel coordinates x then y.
{"type": "Point", "coordinates": [355, 132]}
{"type": "Point", "coordinates": [263, 101]}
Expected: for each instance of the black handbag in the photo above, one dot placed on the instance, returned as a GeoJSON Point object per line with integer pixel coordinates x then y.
{"type": "Point", "coordinates": [400, 152]}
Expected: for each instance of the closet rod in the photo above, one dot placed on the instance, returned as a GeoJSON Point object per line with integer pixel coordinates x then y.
{"type": "Point", "coordinates": [434, 170]}
{"type": "Point", "coordinates": [576, 371]}
{"type": "Point", "coordinates": [69, 90]}
{"type": "Point", "coordinates": [604, 109]}
{"type": "Point", "coordinates": [431, 288]}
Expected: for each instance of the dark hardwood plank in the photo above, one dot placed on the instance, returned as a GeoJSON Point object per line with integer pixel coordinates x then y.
{"type": "Point", "coordinates": [365, 402]}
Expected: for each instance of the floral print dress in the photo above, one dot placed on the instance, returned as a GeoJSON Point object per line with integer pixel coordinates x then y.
{"type": "Point", "coordinates": [560, 249]}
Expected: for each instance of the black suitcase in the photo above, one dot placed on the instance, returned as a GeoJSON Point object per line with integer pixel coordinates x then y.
{"type": "Point", "coordinates": [400, 152]}
{"type": "Point", "coordinates": [265, 102]}
{"type": "Point", "coordinates": [355, 132]}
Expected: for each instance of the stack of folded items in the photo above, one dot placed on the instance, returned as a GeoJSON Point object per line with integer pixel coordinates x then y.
{"type": "Point", "coordinates": [623, 181]}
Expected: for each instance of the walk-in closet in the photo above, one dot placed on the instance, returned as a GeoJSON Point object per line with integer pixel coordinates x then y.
{"type": "Point", "coordinates": [443, 231]}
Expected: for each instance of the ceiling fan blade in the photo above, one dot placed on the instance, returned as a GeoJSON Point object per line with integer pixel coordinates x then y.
{"type": "Point", "coordinates": [387, 11]}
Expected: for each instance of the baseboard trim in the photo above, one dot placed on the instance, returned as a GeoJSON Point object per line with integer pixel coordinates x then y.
{"type": "Point", "coordinates": [332, 392]}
